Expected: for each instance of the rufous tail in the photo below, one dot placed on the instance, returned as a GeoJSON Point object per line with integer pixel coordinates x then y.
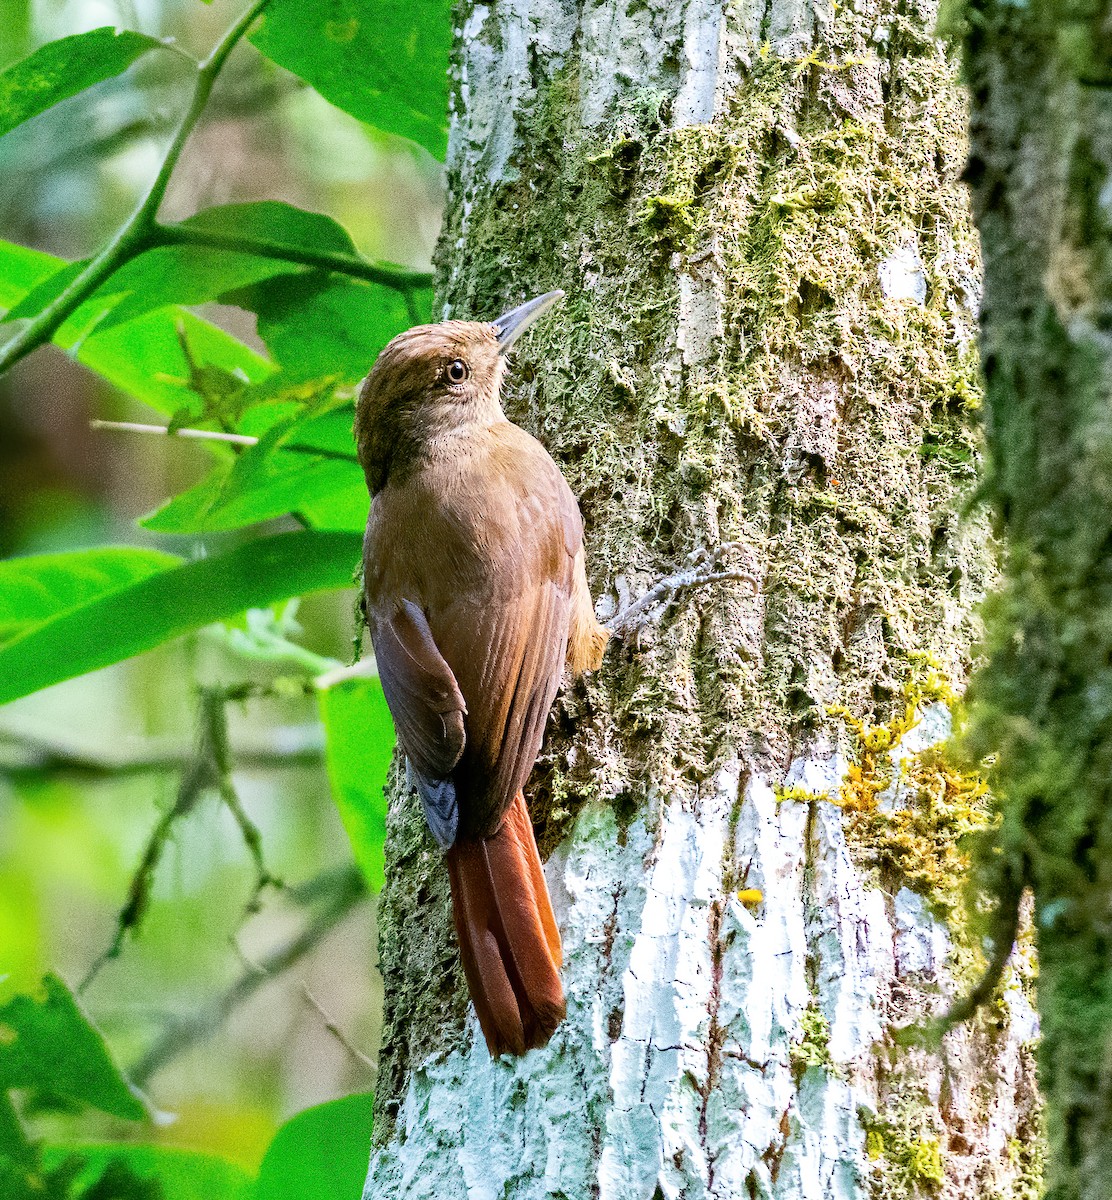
{"type": "Point", "coordinates": [508, 939]}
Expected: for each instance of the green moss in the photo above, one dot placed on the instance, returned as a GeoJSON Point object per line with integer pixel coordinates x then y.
{"type": "Point", "coordinates": [813, 1048]}
{"type": "Point", "coordinates": [904, 1150]}
{"type": "Point", "coordinates": [799, 795]}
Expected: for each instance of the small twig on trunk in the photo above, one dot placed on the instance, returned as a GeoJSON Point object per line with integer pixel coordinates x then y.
{"type": "Point", "coordinates": [700, 570]}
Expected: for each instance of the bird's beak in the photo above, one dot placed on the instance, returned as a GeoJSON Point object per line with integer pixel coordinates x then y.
{"type": "Point", "coordinates": [510, 326]}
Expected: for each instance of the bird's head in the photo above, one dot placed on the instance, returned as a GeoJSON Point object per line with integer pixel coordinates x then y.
{"type": "Point", "coordinates": [432, 380]}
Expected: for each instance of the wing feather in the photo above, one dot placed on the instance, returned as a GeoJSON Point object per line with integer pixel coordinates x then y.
{"type": "Point", "coordinates": [484, 550]}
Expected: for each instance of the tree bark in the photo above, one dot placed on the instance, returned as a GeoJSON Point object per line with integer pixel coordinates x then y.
{"type": "Point", "coordinates": [1040, 78]}
{"type": "Point", "coordinates": [767, 346]}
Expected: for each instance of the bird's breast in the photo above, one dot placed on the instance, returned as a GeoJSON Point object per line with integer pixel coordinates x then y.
{"type": "Point", "coordinates": [477, 527]}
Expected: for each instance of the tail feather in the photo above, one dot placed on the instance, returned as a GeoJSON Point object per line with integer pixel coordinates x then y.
{"type": "Point", "coordinates": [509, 944]}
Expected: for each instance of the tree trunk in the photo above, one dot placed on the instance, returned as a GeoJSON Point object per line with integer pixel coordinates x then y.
{"type": "Point", "coordinates": [1041, 167]}
{"type": "Point", "coordinates": [768, 341]}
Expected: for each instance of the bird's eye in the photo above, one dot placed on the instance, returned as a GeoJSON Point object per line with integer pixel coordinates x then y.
{"type": "Point", "coordinates": [457, 371]}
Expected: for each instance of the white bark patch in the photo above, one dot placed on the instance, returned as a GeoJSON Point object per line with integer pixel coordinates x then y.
{"type": "Point", "coordinates": [689, 1065]}
{"type": "Point", "coordinates": [902, 276]}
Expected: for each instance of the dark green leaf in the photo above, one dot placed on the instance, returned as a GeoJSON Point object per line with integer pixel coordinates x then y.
{"type": "Point", "coordinates": [48, 1044]}
{"type": "Point", "coordinates": [180, 1174]}
{"type": "Point", "coordinates": [321, 1154]}
{"type": "Point", "coordinates": [63, 68]}
{"type": "Point", "coordinates": [41, 586]}
{"type": "Point", "coordinates": [18, 1182]}
{"type": "Point", "coordinates": [386, 64]}
{"type": "Point", "coordinates": [360, 746]}
{"type": "Point", "coordinates": [176, 275]}
{"type": "Point", "coordinates": [317, 324]}
{"type": "Point", "coordinates": [14, 1145]}
{"type": "Point", "coordinates": [170, 603]}
{"type": "Point", "coordinates": [145, 358]}
{"type": "Point", "coordinates": [275, 222]}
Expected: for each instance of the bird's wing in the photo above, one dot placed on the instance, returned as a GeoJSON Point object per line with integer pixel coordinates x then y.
{"type": "Point", "coordinates": [507, 647]}
{"type": "Point", "coordinates": [428, 709]}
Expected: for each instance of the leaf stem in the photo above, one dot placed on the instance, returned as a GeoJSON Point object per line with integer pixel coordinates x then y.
{"type": "Point", "coordinates": [399, 278]}
{"type": "Point", "coordinates": [138, 233]}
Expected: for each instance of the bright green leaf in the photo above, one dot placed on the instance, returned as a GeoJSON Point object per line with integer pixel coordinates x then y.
{"type": "Point", "coordinates": [46, 290]}
{"type": "Point", "coordinates": [145, 358]}
{"type": "Point", "coordinates": [181, 1174]}
{"type": "Point", "coordinates": [21, 269]}
{"type": "Point", "coordinates": [47, 1043]}
{"type": "Point", "coordinates": [170, 603]}
{"type": "Point", "coordinates": [40, 586]}
{"type": "Point", "coordinates": [290, 481]}
{"type": "Point", "coordinates": [345, 508]}
{"type": "Point", "coordinates": [269, 479]}
{"type": "Point", "coordinates": [386, 64]}
{"type": "Point", "coordinates": [321, 1154]}
{"type": "Point", "coordinates": [318, 324]}
{"type": "Point", "coordinates": [359, 736]}
{"type": "Point", "coordinates": [63, 68]}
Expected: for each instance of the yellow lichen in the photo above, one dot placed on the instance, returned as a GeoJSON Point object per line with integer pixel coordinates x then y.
{"type": "Point", "coordinates": [917, 840]}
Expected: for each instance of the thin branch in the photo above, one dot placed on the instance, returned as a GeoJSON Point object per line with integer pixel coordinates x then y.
{"type": "Point", "coordinates": [334, 1029]}
{"type": "Point", "coordinates": [39, 757]}
{"type": "Point", "coordinates": [196, 780]}
{"type": "Point", "coordinates": [215, 717]}
{"type": "Point", "coordinates": [136, 234]}
{"type": "Point", "coordinates": [201, 435]}
{"type": "Point", "coordinates": [341, 890]}
{"type": "Point", "coordinates": [217, 435]}
{"type": "Point", "coordinates": [398, 278]}
{"type": "Point", "coordinates": [1008, 918]}
{"type": "Point", "coordinates": [208, 771]}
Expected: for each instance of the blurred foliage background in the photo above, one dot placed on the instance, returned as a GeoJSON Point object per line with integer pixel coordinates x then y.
{"type": "Point", "coordinates": [234, 1005]}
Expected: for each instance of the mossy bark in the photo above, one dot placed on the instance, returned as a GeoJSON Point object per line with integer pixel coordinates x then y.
{"type": "Point", "coordinates": [1040, 77]}
{"type": "Point", "coordinates": [767, 345]}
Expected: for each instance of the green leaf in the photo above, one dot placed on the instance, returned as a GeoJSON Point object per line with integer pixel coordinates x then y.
{"type": "Point", "coordinates": [317, 324]}
{"type": "Point", "coordinates": [269, 479]}
{"type": "Point", "coordinates": [386, 64]}
{"type": "Point", "coordinates": [276, 222]}
{"type": "Point", "coordinates": [359, 734]}
{"type": "Point", "coordinates": [38, 587]}
{"type": "Point", "coordinates": [14, 1145]}
{"type": "Point", "coordinates": [321, 1154]}
{"type": "Point", "coordinates": [47, 1043]}
{"type": "Point", "coordinates": [171, 275]}
{"type": "Point", "coordinates": [182, 1174]}
{"type": "Point", "coordinates": [46, 290]}
{"type": "Point", "coordinates": [19, 1182]}
{"type": "Point", "coordinates": [170, 603]}
{"type": "Point", "coordinates": [145, 359]}
{"type": "Point", "coordinates": [63, 68]}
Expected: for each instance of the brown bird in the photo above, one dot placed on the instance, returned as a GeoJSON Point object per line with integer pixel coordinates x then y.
{"type": "Point", "coordinates": [476, 597]}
